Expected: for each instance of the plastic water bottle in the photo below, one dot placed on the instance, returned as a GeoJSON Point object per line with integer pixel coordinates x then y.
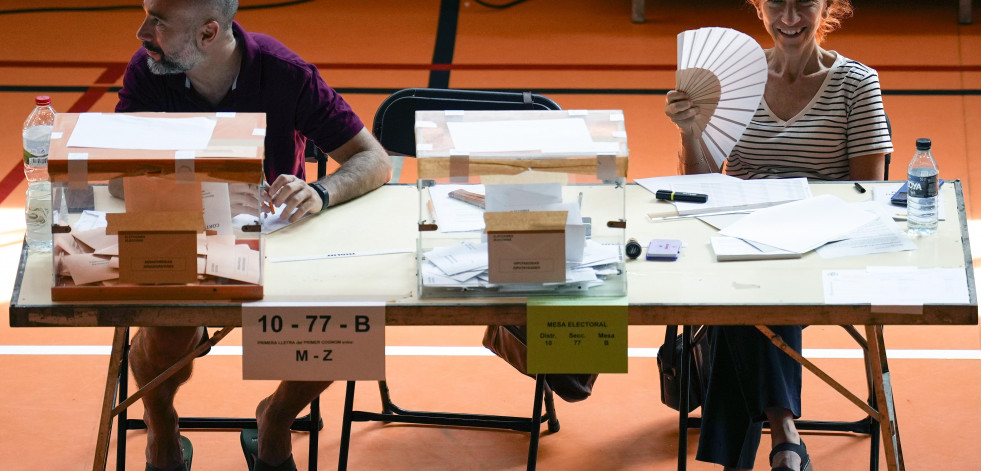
{"type": "Point", "coordinates": [37, 141]}
{"type": "Point", "coordinates": [923, 188]}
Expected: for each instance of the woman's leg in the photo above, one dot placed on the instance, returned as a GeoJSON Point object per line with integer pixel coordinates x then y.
{"type": "Point", "coordinates": [749, 376]}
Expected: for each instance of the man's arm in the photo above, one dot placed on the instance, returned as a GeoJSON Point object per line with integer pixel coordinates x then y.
{"type": "Point", "coordinates": [365, 165]}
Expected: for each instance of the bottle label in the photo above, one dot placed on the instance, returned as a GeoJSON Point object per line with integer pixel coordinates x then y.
{"type": "Point", "coordinates": [923, 187]}
{"type": "Point", "coordinates": [36, 160]}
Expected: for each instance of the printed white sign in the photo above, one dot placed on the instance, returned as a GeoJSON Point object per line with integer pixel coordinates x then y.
{"type": "Point", "coordinates": [312, 341]}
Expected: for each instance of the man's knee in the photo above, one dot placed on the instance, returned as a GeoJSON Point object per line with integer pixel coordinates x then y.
{"type": "Point", "coordinates": [161, 347]}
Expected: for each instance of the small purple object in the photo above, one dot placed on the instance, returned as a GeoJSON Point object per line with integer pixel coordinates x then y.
{"type": "Point", "coordinates": [663, 249]}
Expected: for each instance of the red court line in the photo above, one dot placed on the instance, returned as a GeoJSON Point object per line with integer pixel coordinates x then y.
{"type": "Point", "coordinates": [109, 76]}
{"type": "Point", "coordinates": [11, 180]}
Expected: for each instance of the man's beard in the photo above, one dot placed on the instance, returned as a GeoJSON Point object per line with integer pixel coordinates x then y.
{"type": "Point", "coordinates": [177, 63]}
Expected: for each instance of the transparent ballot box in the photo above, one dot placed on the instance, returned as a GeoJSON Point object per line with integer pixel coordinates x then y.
{"type": "Point", "coordinates": [517, 203]}
{"type": "Point", "coordinates": [156, 206]}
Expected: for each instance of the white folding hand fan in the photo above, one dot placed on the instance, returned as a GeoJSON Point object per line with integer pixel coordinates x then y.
{"type": "Point", "coordinates": [724, 73]}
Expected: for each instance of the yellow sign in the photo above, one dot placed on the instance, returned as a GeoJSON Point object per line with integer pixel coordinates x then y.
{"type": "Point", "coordinates": [577, 335]}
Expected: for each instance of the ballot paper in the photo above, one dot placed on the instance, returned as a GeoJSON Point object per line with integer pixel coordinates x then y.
{"type": "Point", "coordinates": [236, 262]}
{"type": "Point", "coordinates": [800, 226]}
{"type": "Point", "coordinates": [217, 207]}
{"type": "Point", "coordinates": [896, 286]}
{"type": "Point", "coordinates": [465, 265]}
{"type": "Point", "coordinates": [89, 268]}
{"type": "Point", "coordinates": [121, 131]}
{"type": "Point", "coordinates": [727, 193]}
{"type": "Point", "coordinates": [550, 136]}
{"type": "Point", "coordinates": [734, 249]}
{"type": "Point", "coordinates": [95, 238]}
{"type": "Point", "coordinates": [452, 215]}
{"type": "Point", "coordinates": [459, 258]}
{"type": "Point", "coordinates": [879, 235]}
{"type": "Point", "coordinates": [270, 222]}
{"type": "Point", "coordinates": [90, 219]}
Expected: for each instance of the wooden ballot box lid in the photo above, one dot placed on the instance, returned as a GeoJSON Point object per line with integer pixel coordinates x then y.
{"type": "Point", "coordinates": [102, 146]}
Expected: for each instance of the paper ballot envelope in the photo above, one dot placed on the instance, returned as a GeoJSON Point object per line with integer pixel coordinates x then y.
{"type": "Point", "coordinates": [526, 246]}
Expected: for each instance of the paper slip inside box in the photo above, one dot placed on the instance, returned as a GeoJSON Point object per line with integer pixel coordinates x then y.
{"type": "Point", "coordinates": [89, 268]}
{"type": "Point", "coordinates": [236, 262]}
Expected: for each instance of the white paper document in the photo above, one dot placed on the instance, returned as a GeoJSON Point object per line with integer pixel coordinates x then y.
{"type": "Point", "coordinates": [800, 226]}
{"type": "Point", "coordinates": [879, 235]}
{"type": "Point", "coordinates": [730, 193]}
{"type": "Point", "coordinates": [120, 131]}
{"type": "Point", "coordinates": [459, 258]}
{"type": "Point", "coordinates": [896, 286]}
{"type": "Point", "coordinates": [732, 249]}
{"type": "Point", "coordinates": [217, 207]}
{"type": "Point", "coordinates": [453, 215]}
{"type": "Point", "coordinates": [90, 219]}
{"type": "Point", "coordinates": [523, 196]}
{"type": "Point", "coordinates": [550, 136]}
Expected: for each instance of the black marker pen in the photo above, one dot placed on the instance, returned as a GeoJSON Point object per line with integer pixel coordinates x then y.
{"type": "Point", "coordinates": [669, 195]}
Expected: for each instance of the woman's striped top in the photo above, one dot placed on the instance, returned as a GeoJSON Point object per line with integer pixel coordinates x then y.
{"type": "Point", "coordinates": [844, 119]}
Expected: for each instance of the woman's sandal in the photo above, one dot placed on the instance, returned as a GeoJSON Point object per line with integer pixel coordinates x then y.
{"type": "Point", "coordinates": [800, 450]}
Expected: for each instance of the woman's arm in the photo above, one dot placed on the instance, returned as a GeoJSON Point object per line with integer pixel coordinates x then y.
{"type": "Point", "coordinates": [694, 156]}
{"type": "Point", "coordinates": [867, 167]}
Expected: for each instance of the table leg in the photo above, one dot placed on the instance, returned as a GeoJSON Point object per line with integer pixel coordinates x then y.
{"type": "Point", "coordinates": [115, 359]}
{"type": "Point", "coordinates": [883, 395]}
{"type": "Point", "coordinates": [638, 10]}
{"type": "Point", "coordinates": [105, 420]}
{"type": "Point", "coordinates": [779, 343]}
{"type": "Point", "coordinates": [186, 360]}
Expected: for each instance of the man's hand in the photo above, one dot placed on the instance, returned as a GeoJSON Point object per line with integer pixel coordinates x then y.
{"type": "Point", "coordinates": [298, 197]}
{"type": "Point", "coordinates": [680, 110]}
{"type": "Point", "coordinates": [244, 198]}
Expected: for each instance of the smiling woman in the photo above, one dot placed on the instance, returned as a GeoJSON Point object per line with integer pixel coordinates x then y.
{"type": "Point", "coordinates": [821, 117]}
{"type": "Point", "coordinates": [834, 11]}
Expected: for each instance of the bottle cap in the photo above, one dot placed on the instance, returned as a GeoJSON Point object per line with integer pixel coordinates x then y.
{"type": "Point", "coordinates": [42, 100]}
{"type": "Point", "coordinates": [923, 144]}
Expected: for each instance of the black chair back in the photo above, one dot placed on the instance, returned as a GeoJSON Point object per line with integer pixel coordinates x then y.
{"type": "Point", "coordinates": [395, 118]}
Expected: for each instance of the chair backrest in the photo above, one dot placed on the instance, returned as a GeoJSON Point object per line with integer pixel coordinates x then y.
{"type": "Point", "coordinates": [885, 175]}
{"type": "Point", "coordinates": [394, 124]}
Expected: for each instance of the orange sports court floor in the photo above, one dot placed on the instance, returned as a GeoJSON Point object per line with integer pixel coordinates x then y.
{"type": "Point", "coordinates": [582, 53]}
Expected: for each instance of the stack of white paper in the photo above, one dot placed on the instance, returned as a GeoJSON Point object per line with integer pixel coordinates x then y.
{"type": "Point", "coordinates": [465, 265]}
{"type": "Point", "coordinates": [800, 226]}
{"type": "Point", "coordinates": [727, 193]}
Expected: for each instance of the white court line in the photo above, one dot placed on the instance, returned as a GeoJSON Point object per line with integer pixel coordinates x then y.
{"type": "Point", "coordinates": [831, 353]}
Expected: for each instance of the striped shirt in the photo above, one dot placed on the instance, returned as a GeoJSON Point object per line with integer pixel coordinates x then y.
{"type": "Point", "coordinates": [844, 119]}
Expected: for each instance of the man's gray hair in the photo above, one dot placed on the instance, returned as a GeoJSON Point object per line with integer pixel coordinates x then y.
{"type": "Point", "coordinates": [226, 10]}
{"type": "Point", "coordinates": [222, 11]}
